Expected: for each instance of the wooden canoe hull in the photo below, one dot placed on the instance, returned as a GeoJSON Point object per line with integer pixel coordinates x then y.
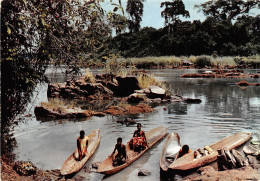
{"type": "Point", "coordinates": [188, 162]}
{"type": "Point", "coordinates": [71, 165]}
{"type": "Point", "coordinates": [173, 139]}
{"type": "Point", "coordinates": [152, 137]}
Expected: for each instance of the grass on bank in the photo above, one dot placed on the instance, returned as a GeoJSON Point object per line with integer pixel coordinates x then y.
{"type": "Point", "coordinates": [173, 61]}
{"type": "Point", "coordinates": [58, 104]}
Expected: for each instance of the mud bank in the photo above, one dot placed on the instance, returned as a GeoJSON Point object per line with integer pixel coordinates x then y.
{"type": "Point", "coordinates": [210, 174]}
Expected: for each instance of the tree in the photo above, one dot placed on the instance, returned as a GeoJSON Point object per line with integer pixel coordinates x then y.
{"type": "Point", "coordinates": [135, 9]}
{"type": "Point", "coordinates": [172, 11]}
{"type": "Point", "coordinates": [227, 10]}
{"type": "Point", "coordinates": [37, 33]}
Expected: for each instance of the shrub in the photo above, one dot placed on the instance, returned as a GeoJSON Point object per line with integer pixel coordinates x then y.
{"type": "Point", "coordinates": [202, 62]}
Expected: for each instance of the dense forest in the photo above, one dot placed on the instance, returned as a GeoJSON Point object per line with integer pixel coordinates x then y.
{"type": "Point", "coordinates": [227, 30]}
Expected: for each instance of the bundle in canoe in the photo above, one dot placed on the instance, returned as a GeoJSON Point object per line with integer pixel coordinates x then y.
{"type": "Point", "coordinates": [71, 165]}
{"type": "Point", "coordinates": [170, 150]}
{"type": "Point", "coordinates": [152, 137]}
{"type": "Point", "coordinates": [188, 162]}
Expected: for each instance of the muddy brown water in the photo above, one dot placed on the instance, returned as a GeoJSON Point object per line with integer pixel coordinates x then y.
{"type": "Point", "coordinates": [225, 109]}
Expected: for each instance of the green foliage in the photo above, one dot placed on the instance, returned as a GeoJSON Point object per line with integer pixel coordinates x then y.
{"type": "Point", "coordinates": [202, 62]}
{"type": "Point", "coordinates": [173, 10]}
{"type": "Point", "coordinates": [253, 61]}
{"type": "Point", "coordinates": [227, 10]}
{"type": "Point", "coordinates": [135, 9]}
{"type": "Point", "coordinates": [191, 38]}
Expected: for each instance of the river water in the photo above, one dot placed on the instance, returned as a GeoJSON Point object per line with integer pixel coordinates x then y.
{"type": "Point", "coordinates": [225, 109]}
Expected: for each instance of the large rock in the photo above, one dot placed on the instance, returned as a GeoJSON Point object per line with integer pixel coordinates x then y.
{"type": "Point", "coordinates": [143, 172]}
{"type": "Point", "coordinates": [54, 90]}
{"type": "Point", "coordinates": [115, 110]}
{"type": "Point", "coordinates": [136, 98]}
{"type": "Point", "coordinates": [156, 92]}
{"type": "Point", "coordinates": [110, 85]}
{"type": "Point", "coordinates": [192, 101]}
{"type": "Point", "coordinates": [127, 85]}
{"type": "Point", "coordinates": [140, 108]}
{"type": "Point", "coordinates": [93, 88]}
{"type": "Point", "coordinates": [61, 112]}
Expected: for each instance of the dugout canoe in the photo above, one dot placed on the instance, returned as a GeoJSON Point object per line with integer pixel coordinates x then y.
{"type": "Point", "coordinates": [71, 165]}
{"type": "Point", "coordinates": [172, 142]}
{"type": "Point", "coordinates": [188, 162]}
{"type": "Point", "coordinates": [152, 136]}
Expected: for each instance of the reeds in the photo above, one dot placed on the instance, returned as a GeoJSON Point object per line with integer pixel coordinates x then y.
{"type": "Point", "coordinates": [58, 104]}
{"type": "Point", "coordinates": [145, 81]}
{"type": "Point", "coordinates": [223, 61]}
{"type": "Point", "coordinates": [89, 76]}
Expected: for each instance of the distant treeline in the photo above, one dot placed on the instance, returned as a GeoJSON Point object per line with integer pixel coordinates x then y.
{"type": "Point", "coordinates": [212, 36]}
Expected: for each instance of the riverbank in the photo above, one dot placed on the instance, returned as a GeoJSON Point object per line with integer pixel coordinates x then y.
{"type": "Point", "coordinates": [8, 173]}
{"type": "Point", "coordinates": [173, 62]}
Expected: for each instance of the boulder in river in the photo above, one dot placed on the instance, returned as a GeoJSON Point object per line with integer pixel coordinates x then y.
{"type": "Point", "coordinates": [156, 92]}
{"type": "Point", "coordinates": [192, 101]}
{"type": "Point", "coordinates": [61, 112]}
{"type": "Point", "coordinates": [137, 97]}
{"type": "Point", "coordinates": [143, 172]}
{"type": "Point", "coordinates": [127, 85]}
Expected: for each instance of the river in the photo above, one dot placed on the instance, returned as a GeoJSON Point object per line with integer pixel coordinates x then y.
{"type": "Point", "coordinates": [225, 109]}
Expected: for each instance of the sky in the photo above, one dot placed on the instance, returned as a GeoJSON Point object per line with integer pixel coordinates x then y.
{"type": "Point", "coordinates": [152, 11]}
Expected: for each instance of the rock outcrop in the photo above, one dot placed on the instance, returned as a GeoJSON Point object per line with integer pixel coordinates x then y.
{"type": "Point", "coordinates": [128, 109]}
{"type": "Point", "coordinates": [106, 86]}
{"type": "Point", "coordinates": [61, 112]}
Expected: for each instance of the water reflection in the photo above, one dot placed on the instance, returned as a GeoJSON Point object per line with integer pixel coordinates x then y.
{"type": "Point", "coordinates": [225, 109]}
{"type": "Point", "coordinates": [178, 108]}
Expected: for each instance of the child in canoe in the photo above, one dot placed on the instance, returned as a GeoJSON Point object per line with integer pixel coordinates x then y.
{"type": "Point", "coordinates": [184, 150]}
{"type": "Point", "coordinates": [120, 158]}
{"type": "Point", "coordinates": [138, 142]}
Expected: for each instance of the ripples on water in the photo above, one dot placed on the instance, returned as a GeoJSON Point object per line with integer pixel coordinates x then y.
{"type": "Point", "coordinates": [225, 109]}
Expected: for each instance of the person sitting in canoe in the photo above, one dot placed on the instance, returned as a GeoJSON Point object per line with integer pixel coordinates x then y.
{"type": "Point", "coordinates": [138, 142]}
{"type": "Point", "coordinates": [184, 150]}
{"type": "Point", "coordinates": [82, 145]}
{"type": "Point", "coordinates": [120, 158]}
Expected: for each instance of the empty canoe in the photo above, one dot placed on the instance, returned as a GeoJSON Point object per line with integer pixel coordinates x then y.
{"type": "Point", "coordinates": [170, 150]}
{"type": "Point", "coordinates": [152, 137]}
{"type": "Point", "coordinates": [188, 162]}
{"type": "Point", "coordinates": [71, 165]}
